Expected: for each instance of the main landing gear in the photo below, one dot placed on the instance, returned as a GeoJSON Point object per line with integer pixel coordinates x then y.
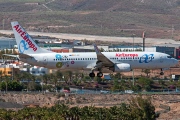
{"type": "Point", "coordinates": [92, 75]}
{"type": "Point", "coordinates": [161, 73]}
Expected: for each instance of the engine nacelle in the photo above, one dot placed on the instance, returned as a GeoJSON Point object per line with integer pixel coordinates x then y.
{"type": "Point", "coordinates": [123, 67]}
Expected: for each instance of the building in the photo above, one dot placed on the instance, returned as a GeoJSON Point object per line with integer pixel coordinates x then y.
{"type": "Point", "coordinates": [38, 71]}
{"type": "Point", "coordinates": [9, 70]}
{"type": "Point", "coordinates": [7, 43]}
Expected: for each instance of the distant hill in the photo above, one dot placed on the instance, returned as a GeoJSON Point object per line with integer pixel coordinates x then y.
{"type": "Point", "coordinates": [159, 18]}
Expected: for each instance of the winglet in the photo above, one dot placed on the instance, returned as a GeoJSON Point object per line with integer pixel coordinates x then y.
{"type": "Point", "coordinates": [96, 49]}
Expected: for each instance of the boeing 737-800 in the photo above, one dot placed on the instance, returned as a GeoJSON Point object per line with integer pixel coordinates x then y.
{"type": "Point", "coordinates": [31, 53]}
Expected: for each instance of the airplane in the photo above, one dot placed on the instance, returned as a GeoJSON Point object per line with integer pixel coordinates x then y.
{"type": "Point", "coordinates": [31, 53]}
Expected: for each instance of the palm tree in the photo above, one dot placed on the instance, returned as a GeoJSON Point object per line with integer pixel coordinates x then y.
{"type": "Point", "coordinates": [147, 72]}
{"type": "Point", "coordinates": [17, 77]}
{"type": "Point", "coordinates": [124, 112]}
{"type": "Point", "coordinates": [142, 108]}
{"type": "Point", "coordinates": [1, 74]}
{"type": "Point", "coordinates": [70, 74]}
{"type": "Point", "coordinates": [5, 115]}
{"type": "Point", "coordinates": [59, 75]}
{"type": "Point", "coordinates": [118, 75]}
{"type": "Point", "coordinates": [6, 81]}
{"type": "Point", "coordinates": [45, 78]}
{"type": "Point", "coordinates": [88, 112]}
{"type": "Point", "coordinates": [114, 111]}
{"type": "Point", "coordinates": [25, 76]}
{"type": "Point", "coordinates": [32, 79]}
{"type": "Point", "coordinates": [74, 113]}
{"type": "Point", "coordinates": [54, 79]}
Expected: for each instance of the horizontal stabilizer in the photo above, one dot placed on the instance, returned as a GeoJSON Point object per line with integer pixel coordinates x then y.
{"type": "Point", "coordinates": [24, 56]}
{"type": "Point", "coordinates": [10, 55]}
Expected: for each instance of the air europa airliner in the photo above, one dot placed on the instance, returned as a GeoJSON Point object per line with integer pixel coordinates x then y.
{"type": "Point", "coordinates": [31, 53]}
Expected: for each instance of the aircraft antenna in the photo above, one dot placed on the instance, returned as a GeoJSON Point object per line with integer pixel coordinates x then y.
{"type": "Point", "coordinates": [172, 32]}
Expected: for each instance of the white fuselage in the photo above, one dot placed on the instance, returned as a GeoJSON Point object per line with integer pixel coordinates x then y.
{"type": "Point", "coordinates": [87, 60]}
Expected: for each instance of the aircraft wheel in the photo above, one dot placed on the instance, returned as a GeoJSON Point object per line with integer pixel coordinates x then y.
{"type": "Point", "coordinates": [100, 74]}
{"type": "Point", "coordinates": [91, 75]}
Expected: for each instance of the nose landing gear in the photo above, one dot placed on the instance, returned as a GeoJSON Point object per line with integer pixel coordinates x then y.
{"type": "Point", "coordinates": [161, 73]}
{"type": "Point", "coordinates": [99, 74]}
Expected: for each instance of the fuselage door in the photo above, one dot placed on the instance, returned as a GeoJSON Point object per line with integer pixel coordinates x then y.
{"type": "Point", "coordinates": [161, 58]}
{"type": "Point", "coordinates": [45, 60]}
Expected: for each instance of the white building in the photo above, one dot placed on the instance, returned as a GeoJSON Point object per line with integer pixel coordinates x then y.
{"type": "Point", "coordinates": [38, 70]}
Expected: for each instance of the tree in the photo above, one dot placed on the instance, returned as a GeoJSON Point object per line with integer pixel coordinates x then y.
{"type": "Point", "coordinates": [59, 75]}
{"type": "Point", "coordinates": [117, 75]}
{"type": "Point", "coordinates": [68, 76]}
{"type": "Point", "coordinates": [162, 83]}
{"type": "Point", "coordinates": [147, 71]}
{"type": "Point", "coordinates": [14, 86]}
{"type": "Point", "coordinates": [74, 113]}
{"type": "Point", "coordinates": [6, 81]}
{"type": "Point", "coordinates": [17, 77]}
{"type": "Point", "coordinates": [1, 74]}
{"type": "Point", "coordinates": [115, 85]}
{"type": "Point", "coordinates": [98, 79]}
{"type": "Point", "coordinates": [142, 108]}
{"type": "Point", "coordinates": [45, 78]}
{"type": "Point", "coordinates": [53, 78]}
{"type": "Point", "coordinates": [145, 83]}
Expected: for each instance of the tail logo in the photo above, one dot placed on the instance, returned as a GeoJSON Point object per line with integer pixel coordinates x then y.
{"type": "Point", "coordinates": [26, 39]}
{"type": "Point", "coordinates": [23, 46]}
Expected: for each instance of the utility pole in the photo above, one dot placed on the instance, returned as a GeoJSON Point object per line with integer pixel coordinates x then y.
{"type": "Point", "coordinates": [3, 23]}
{"type": "Point", "coordinates": [12, 73]}
{"type": "Point", "coordinates": [144, 37]}
{"type": "Point", "coordinates": [133, 35]}
{"type": "Point", "coordinates": [172, 32]}
{"type": "Point", "coordinates": [42, 85]}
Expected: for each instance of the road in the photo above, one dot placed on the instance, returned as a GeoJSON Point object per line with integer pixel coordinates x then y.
{"type": "Point", "coordinates": [149, 41]}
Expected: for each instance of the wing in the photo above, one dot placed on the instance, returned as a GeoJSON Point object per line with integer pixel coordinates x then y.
{"type": "Point", "coordinates": [102, 61]}
{"type": "Point", "coordinates": [19, 56]}
{"type": "Point", "coordinates": [15, 56]}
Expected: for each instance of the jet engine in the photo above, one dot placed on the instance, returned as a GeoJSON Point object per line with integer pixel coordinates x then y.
{"type": "Point", "coordinates": [122, 67]}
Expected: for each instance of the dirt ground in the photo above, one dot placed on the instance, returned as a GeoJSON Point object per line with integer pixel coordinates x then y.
{"type": "Point", "coordinates": [100, 100]}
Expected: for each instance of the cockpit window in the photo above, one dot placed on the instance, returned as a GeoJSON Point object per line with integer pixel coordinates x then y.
{"type": "Point", "coordinates": [169, 57]}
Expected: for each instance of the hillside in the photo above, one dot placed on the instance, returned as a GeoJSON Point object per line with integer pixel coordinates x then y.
{"type": "Point", "coordinates": [96, 17]}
